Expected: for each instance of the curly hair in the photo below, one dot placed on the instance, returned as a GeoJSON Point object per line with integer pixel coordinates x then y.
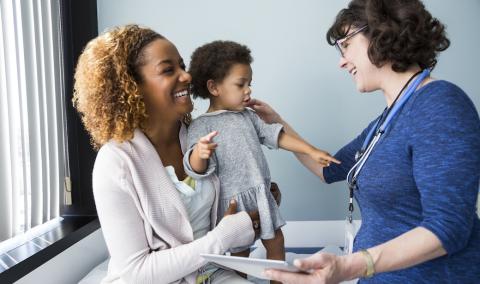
{"type": "Point", "coordinates": [402, 32]}
{"type": "Point", "coordinates": [107, 78]}
{"type": "Point", "coordinates": [213, 61]}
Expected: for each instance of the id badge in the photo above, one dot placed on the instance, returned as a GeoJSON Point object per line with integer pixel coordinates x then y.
{"type": "Point", "coordinates": [349, 237]}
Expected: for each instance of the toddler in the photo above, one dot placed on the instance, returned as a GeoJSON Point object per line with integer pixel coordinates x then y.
{"type": "Point", "coordinates": [227, 139]}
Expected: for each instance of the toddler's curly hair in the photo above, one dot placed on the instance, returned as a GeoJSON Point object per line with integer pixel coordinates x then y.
{"type": "Point", "coordinates": [213, 61]}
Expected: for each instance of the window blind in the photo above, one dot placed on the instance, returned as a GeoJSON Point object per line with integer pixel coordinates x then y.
{"type": "Point", "coordinates": [32, 150]}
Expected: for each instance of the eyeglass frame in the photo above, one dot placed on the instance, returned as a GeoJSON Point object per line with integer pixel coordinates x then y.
{"type": "Point", "coordinates": [338, 42]}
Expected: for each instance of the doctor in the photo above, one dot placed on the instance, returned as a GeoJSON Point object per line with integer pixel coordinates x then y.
{"type": "Point", "coordinates": [415, 169]}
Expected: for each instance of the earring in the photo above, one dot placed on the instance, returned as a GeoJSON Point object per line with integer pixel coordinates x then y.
{"type": "Point", "coordinates": [187, 118]}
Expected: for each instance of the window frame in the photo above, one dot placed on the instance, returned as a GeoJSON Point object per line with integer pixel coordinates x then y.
{"type": "Point", "coordinates": [79, 26]}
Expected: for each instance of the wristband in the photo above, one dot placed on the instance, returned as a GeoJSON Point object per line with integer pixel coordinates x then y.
{"type": "Point", "coordinates": [370, 271]}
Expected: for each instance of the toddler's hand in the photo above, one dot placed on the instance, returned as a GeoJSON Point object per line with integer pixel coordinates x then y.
{"type": "Point", "coordinates": [322, 157]}
{"type": "Point", "coordinates": [205, 147]}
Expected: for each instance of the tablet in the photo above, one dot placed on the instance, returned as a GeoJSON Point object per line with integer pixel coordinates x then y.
{"type": "Point", "coordinates": [250, 266]}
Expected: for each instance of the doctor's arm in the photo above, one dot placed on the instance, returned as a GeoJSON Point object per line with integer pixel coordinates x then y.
{"type": "Point", "coordinates": [413, 247]}
{"type": "Point", "coordinates": [447, 190]}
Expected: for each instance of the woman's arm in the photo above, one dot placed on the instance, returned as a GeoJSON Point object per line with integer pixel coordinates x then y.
{"type": "Point", "coordinates": [127, 236]}
{"type": "Point", "coordinates": [413, 247]}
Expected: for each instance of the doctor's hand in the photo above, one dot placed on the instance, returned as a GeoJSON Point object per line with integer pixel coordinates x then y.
{"type": "Point", "coordinates": [265, 111]}
{"type": "Point", "coordinates": [232, 209]}
{"type": "Point", "coordinates": [323, 268]}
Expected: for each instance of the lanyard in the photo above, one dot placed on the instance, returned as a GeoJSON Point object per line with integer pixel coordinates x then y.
{"type": "Point", "coordinates": [377, 131]}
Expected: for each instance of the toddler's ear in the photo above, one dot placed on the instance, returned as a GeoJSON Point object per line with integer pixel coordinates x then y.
{"type": "Point", "coordinates": [212, 87]}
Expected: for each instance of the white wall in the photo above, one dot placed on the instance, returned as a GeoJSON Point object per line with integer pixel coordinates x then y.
{"type": "Point", "coordinates": [295, 70]}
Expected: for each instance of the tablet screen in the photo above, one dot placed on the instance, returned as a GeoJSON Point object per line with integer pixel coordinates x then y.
{"type": "Point", "coordinates": [250, 266]}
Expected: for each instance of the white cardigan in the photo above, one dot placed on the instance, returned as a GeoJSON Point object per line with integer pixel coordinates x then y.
{"type": "Point", "coordinates": [144, 221]}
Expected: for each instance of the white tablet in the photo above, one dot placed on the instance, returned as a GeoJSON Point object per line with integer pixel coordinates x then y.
{"type": "Point", "coordinates": [250, 266]}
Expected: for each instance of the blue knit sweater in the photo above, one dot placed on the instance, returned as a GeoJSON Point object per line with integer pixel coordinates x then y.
{"type": "Point", "coordinates": [423, 172]}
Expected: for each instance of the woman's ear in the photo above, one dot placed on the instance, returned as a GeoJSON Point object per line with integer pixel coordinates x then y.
{"type": "Point", "coordinates": [212, 88]}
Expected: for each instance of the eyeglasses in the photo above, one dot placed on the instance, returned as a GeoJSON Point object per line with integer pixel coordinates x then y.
{"type": "Point", "coordinates": [339, 43]}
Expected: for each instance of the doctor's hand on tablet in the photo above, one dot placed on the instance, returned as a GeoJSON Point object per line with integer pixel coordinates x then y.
{"type": "Point", "coordinates": [232, 209]}
{"type": "Point", "coordinates": [322, 268]}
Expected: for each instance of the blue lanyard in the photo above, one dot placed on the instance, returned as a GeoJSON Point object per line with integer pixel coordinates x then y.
{"type": "Point", "coordinates": [374, 135]}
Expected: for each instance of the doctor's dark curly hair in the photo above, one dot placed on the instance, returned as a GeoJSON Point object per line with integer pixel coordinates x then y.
{"type": "Point", "coordinates": [402, 32]}
{"type": "Point", "coordinates": [212, 61]}
{"type": "Point", "coordinates": [107, 84]}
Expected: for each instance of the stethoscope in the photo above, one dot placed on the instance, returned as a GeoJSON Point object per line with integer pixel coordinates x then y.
{"type": "Point", "coordinates": [377, 131]}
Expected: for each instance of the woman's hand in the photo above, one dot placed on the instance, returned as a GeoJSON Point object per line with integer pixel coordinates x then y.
{"type": "Point", "coordinates": [265, 111]}
{"type": "Point", "coordinates": [237, 229]}
{"type": "Point", "coordinates": [232, 209]}
{"type": "Point", "coordinates": [320, 267]}
{"type": "Point", "coordinates": [277, 194]}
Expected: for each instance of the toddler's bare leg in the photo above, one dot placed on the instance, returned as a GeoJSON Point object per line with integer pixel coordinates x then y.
{"type": "Point", "coordinates": [275, 248]}
{"type": "Point", "coordinates": [245, 253]}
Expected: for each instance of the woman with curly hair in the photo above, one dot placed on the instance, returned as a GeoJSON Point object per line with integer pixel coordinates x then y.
{"type": "Point", "coordinates": [133, 94]}
{"type": "Point", "coordinates": [415, 169]}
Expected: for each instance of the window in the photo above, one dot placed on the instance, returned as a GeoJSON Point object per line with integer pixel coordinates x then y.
{"type": "Point", "coordinates": [32, 144]}
{"type": "Point", "coordinates": [42, 141]}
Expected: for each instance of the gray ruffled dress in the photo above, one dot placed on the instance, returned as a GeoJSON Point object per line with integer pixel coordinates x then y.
{"type": "Point", "coordinates": [239, 163]}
